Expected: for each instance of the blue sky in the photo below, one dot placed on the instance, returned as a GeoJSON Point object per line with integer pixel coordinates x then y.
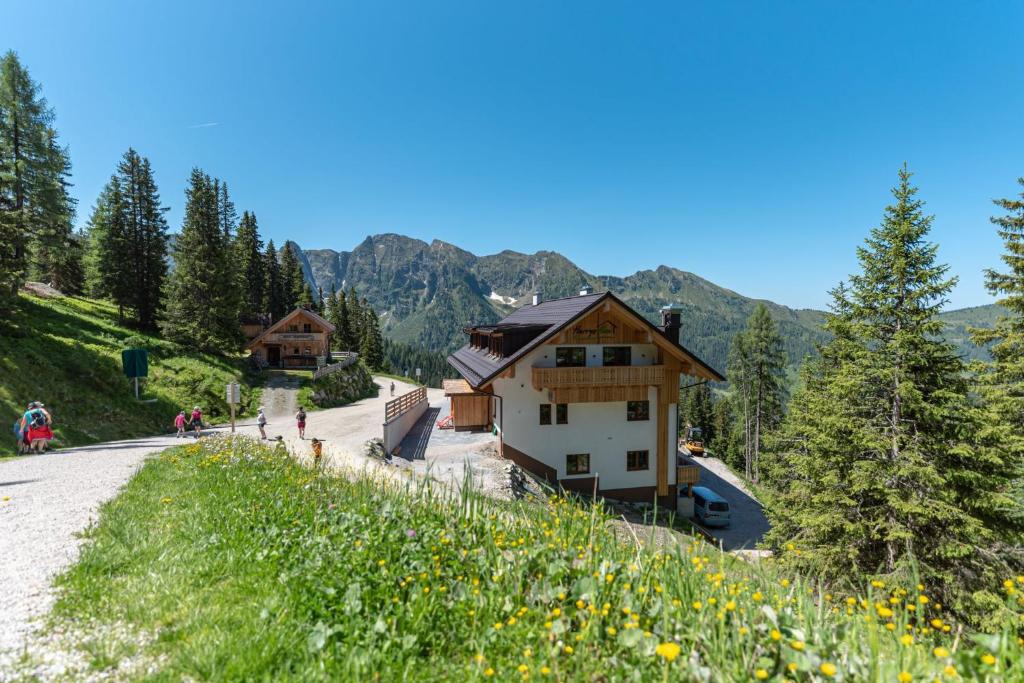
{"type": "Point", "coordinates": [751, 143]}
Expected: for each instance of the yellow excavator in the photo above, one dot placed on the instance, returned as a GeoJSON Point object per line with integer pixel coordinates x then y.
{"type": "Point", "coordinates": [693, 441]}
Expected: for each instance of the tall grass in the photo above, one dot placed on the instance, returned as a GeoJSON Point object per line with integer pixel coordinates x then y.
{"type": "Point", "coordinates": [249, 566]}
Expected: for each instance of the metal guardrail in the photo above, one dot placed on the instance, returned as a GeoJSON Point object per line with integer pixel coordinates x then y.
{"type": "Point", "coordinates": [347, 359]}
{"type": "Point", "coordinates": [404, 403]}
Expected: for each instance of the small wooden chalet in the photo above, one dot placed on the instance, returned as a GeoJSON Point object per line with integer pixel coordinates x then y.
{"type": "Point", "coordinates": [582, 391]}
{"type": "Point", "coordinates": [297, 340]}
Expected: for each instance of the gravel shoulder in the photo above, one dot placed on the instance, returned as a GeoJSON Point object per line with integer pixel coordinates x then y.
{"type": "Point", "coordinates": [45, 501]}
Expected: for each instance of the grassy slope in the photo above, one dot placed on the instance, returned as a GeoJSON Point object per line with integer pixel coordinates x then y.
{"type": "Point", "coordinates": [247, 566]}
{"type": "Point", "coordinates": [67, 353]}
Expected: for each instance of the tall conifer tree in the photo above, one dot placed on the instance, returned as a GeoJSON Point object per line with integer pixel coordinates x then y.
{"type": "Point", "coordinates": [371, 351]}
{"type": "Point", "coordinates": [251, 266]}
{"type": "Point", "coordinates": [757, 366]}
{"type": "Point", "coordinates": [202, 306]}
{"type": "Point", "coordinates": [875, 467]}
{"type": "Point", "coordinates": [275, 298]}
{"type": "Point", "coordinates": [1001, 381]}
{"type": "Point", "coordinates": [292, 279]}
{"type": "Point", "coordinates": [344, 333]}
{"type": "Point", "coordinates": [128, 242]}
{"type": "Point", "coordinates": [36, 210]}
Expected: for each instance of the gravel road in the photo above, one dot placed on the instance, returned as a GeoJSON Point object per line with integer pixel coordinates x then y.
{"type": "Point", "coordinates": [45, 500]}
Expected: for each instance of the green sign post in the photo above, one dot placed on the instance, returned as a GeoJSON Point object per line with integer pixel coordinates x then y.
{"type": "Point", "coordinates": [135, 363]}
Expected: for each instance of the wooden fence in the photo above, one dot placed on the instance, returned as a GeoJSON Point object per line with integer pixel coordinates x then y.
{"type": "Point", "coordinates": [404, 403]}
{"type": "Point", "coordinates": [347, 359]}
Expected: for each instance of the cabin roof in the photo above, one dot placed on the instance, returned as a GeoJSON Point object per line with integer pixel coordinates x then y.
{"type": "Point", "coordinates": [291, 316]}
{"type": "Point", "coordinates": [479, 367]}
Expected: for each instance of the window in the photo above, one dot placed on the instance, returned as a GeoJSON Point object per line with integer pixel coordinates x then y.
{"type": "Point", "coordinates": [718, 507]}
{"type": "Point", "coordinates": [618, 355]}
{"type": "Point", "coordinates": [295, 351]}
{"type": "Point", "coordinates": [638, 411]}
{"type": "Point", "coordinates": [293, 328]}
{"type": "Point", "coordinates": [545, 413]}
{"type": "Point", "coordinates": [307, 328]}
{"type": "Point", "coordinates": [570, 357]}
{"type": "Point", "coordinates": [636, 460]}
{"type": "Point", "coordinates": [577, 463]}
{"type": "Point", "coordinates": [562, 413]}
{"type": "Point", "coordinates": [307, 351]}
{"type": "Point", "coordinates": [699, 500]}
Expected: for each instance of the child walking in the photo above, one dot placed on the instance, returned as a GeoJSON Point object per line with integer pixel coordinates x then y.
{"type": "Point", "coordinates": [179, 422]}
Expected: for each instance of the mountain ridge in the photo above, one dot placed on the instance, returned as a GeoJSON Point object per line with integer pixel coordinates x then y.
{"type": "Point", "coordinates": [426, 293]}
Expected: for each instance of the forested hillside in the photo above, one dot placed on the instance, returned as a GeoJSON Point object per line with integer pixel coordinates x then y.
{"type": "Point", "coordinates": [426, 293]}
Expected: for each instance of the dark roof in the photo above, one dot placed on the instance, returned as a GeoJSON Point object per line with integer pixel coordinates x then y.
{"type": "Point", "coordinates": [478, 366]}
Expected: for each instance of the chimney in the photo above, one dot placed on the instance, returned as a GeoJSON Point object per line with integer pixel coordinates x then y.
{"type": "Point", "coordinates": [585, 289]}
{"type": "Point", "coordinates": [670, 321]}
{"type": "Point", "coordinates": [536, 298]}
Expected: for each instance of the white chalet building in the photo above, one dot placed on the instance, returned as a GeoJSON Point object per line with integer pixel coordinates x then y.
{"type": "Point", "coordinates": [582, 391]}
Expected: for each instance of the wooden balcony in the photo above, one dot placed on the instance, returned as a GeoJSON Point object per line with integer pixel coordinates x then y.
{"type": "Point", "coordinates": [616, 376]}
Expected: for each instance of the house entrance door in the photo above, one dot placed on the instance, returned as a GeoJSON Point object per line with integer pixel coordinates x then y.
{"type": "Point", "coordinates": [274, 356]}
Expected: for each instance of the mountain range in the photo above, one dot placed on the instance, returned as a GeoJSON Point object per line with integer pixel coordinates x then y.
{"type": "Point", "coordinates": [426, 294]}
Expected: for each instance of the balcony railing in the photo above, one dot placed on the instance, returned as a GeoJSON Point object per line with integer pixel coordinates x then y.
{"type": "Point", "coordinates": [614, 376]}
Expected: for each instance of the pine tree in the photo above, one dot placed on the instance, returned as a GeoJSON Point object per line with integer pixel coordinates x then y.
{"type": "Point", "coordinates": [274, 295]}
{"type": "Point", "coordinates": [355, 319]}
{"type": "Point", "coordinates": [306, 299]}
{"type": "Point", "coordinates": [1001, 381]}
{"type": "Point", "coordinates": [757, 365]}
{"type": "Point", "coordinates": [128, 242]}
{"type": "Point", "coordinates": [107, 274]}
{"type": "Point", "coordinates": [371, 351]}
{"type": "Point", "coordinates": [54, 257]}
{"type": "Point", "coordinates": [36, 211]}
{"type": "Point", "coordinates": [292, 279]}
{"type": "Point", "coordinates": [251, 265]}
{"type": "Point", "coordinates": [202, 306]}
{"type": "Point", "coordinates": [346, 340]}
{"type": "Point", "coordinates": [876, 450]}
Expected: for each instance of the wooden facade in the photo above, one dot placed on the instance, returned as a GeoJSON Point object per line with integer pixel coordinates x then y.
{"type": "Point", "coordinates": [297, 340]}
{"type": "Point", "coordinates": [470, 409]}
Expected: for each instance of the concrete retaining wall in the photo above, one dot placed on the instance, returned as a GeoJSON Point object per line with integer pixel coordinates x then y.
{"type": "Point", "coordinates": [396, 428]}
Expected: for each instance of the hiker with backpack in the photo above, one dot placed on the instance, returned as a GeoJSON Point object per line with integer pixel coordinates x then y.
{"type": "Point", "coordinates": [36, 425]}
{"type": "Point", "coordinates": [300, 420]}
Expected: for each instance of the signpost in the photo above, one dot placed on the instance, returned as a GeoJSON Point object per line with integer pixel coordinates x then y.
{"type": "Point", "coordinates": [135, 363]}
{"type": "Point", "coordinates": [418, 373]}
{"type": "Point", "coordinates": [234, 397]}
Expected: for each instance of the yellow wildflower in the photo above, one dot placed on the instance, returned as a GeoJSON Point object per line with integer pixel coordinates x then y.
{"type": "Point", "coordinates": [667, 650]}
{"type": "Point", "coordinates": [987, 658]}
{"type": "Point", "coordinates": [760, 674]}
{"type": "Point", "coordinates": [905, 677]}
{"type": "Point", "coordinates": [797, 645]}
{"type": "Point", "coordinates": [940, 652]}
{"type": "Point", "coordinates": [828, 669]}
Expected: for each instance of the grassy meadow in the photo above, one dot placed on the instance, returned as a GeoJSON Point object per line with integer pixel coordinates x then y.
{"type": "Point", "coordinates": [66, 352]}
{"type": "Point", "coordinates": [242, 564]}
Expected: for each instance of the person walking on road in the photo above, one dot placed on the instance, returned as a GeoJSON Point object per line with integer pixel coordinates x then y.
{"type": "Point", "coordinates": [196, 421]}
{"type": "Point", "coordinates": [179, 422]}
{"type": "Point", "coordinates": [300, 421]}
{"type": "Point", "coordinates": [392, 389]}
{"type": "Point", "coordinates": [261, 422]}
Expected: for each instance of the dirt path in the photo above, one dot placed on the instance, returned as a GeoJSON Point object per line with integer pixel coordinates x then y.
{"type": "Point", "coordinates": [280, 395]}
{"type": "Point", "coordinates": [45, 500]}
